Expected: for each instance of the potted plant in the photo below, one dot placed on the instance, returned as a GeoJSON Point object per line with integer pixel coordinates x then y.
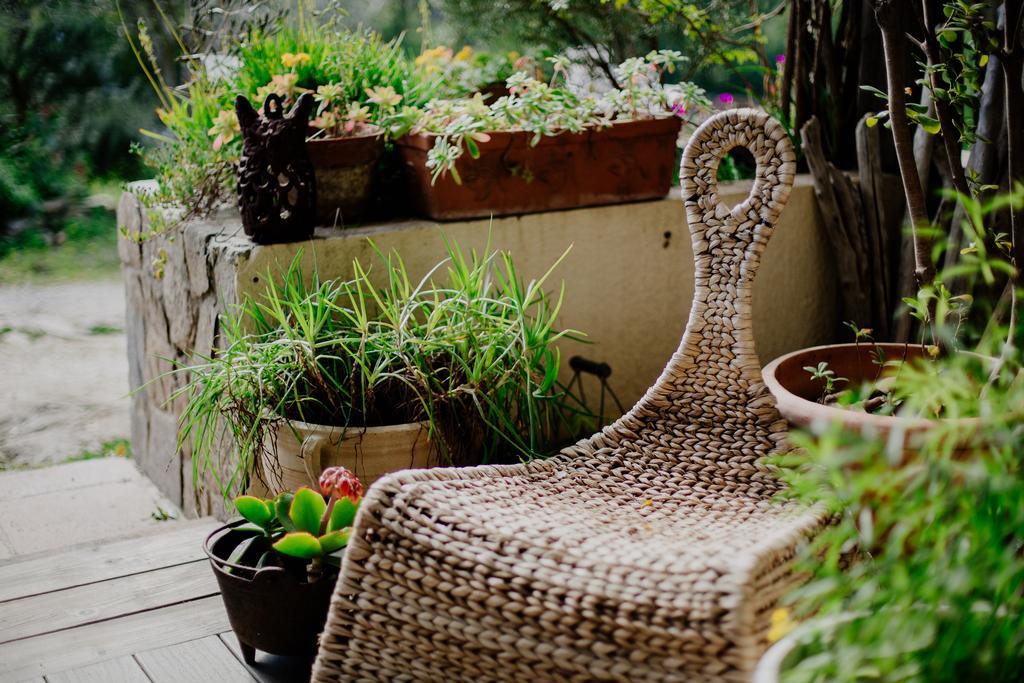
{"type": "Point", "coordinates": [276, 567]}
{"type": "Point", "coordinates": [344, 144]}
{"type": "Point", "coordinates": [344, 152]}
{"type": "Point", "coordinates": [351, 72]}
{"type": "Point", "coordinates": [542, 147]}
{"type": "Point", "coordinates": [377, 375]}
{"type": "Point", "coordinates": [962, 298]}
{"type": "Point", "coordinates": [919, 576]}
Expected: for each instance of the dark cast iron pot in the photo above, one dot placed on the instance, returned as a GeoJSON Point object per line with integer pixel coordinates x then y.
{"type": "Point", "coordinates": [273, 609]}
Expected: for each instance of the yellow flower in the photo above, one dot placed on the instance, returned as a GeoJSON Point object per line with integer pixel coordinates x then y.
{"type": "Point", "coordinates": [513, 56]}
{"type": "Point", "coordinates": [291, 61]}
{"type": "Point", "coordinates": [434, 54]}
{"type": "Point", "coordinates": [464, 54]}
{"type": "Point", "coordinates": [781, 624]}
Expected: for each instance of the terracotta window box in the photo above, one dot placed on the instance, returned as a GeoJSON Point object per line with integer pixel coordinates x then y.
{"type": "Point", "coordinates": [629, 161]}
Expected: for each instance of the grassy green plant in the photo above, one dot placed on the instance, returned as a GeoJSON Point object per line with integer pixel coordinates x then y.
{"type": "Point", "coordinates": [470, 348]}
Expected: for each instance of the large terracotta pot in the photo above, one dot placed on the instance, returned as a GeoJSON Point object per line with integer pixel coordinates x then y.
{"type": "Point", "coordinates": [628, 161]}
{"type": "Point", "coordinates": [344, 169]}
{"type": "Point", "coordinates": [297, 452]}
{"type": "Point", "coordinates": [796, 392]}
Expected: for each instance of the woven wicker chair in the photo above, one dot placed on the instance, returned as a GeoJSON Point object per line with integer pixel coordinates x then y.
{"type": "Point", "coordinates": [649, 552]}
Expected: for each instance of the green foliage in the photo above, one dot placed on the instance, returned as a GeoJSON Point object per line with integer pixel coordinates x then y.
{"type": "Point", "coordinates": [546, 109]}
{"type": "Point", "coordinates": [292, 525]}
{"type": "Point", "coordinates": [80, 246]}
{"type": "Point", "coordinates": [925, 557]}
{"type": "Point", "coordinates": [468, 71]}
{"type": "Point", "coordinates": [470, 348]}
{"type": "Point", "coordinates": [827, 376]}
{"type": "Point", "coordinates": [194, 157]}
{"type": "Point", "coordinates": [307, 508]}
{"type": "Point", "coordinates": [343, 515]}
{"type": "Point", "coordinates": [68, 87]}
{"type": "Point", "coordinates": [920, 577]}
{"type": "Point", "coordinates": [301, 544]}
{"type": "Point", "coordinates": [259, 512]}
{"type": "Point", "coordinates": [607, 32]}
{"type": "Point", "coordinates": [356, 60]}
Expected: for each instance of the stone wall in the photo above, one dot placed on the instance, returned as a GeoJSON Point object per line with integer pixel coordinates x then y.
{"type": "Point", "coordinates": [628, 283]}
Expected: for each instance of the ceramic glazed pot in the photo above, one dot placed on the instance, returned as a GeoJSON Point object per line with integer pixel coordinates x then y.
{"type": "Point", "coordinates": [271, 609]}
{"type": "Point", "coordinates": [628, 161]}
{"type": "Point", "coordinates": [304, 450]}
{"type": "Point", "coordinates": [344, 169]}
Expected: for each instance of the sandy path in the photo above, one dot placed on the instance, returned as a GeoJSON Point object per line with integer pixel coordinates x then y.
{"type": "Point", "coordinates": [63, 370]}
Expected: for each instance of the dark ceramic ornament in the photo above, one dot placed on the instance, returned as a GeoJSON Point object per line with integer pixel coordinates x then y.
{"type": "Point", "coordinates": [276, 184]}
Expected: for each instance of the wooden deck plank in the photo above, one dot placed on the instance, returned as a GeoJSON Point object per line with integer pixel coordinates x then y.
{"type": "Point", "coordinates": [271, 668]}
{"type": "Point", "coordinates": [196, 661]}
{"type": "Point", "coordinates": [103, 561]}
{"type": "Point", "coordinates": [85, 645]}
{"type": "Point", "coordinates": [48, 612]}
{"type": "Point", "coordinates": [120, 670]}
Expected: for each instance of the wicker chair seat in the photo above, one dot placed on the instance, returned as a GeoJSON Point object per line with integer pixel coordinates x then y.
{"type": "Point", "coordinates": [652, 551]}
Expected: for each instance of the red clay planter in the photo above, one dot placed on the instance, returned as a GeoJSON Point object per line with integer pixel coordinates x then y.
{"type": "Point", "coordinates": [796, 392]}
{"type": "Point", "coordinates": [344, 169]}
{"type": "Point", "coordinates": [629, 161]}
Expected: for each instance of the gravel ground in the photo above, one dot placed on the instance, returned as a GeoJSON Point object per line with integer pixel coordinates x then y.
{"type": "Point", "coordinates": [63, 371]}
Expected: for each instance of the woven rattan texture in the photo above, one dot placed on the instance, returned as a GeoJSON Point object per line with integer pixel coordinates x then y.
{"type": "Point", "coordinates": [649, 552]}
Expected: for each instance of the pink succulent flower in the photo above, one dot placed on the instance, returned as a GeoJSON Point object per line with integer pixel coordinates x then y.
{"type": "Point", "coordinates": [725, 98]}
{"type": "Point", "coordinates": [339, 482]}
{"type": "Point", "coordinates": [780, 59]}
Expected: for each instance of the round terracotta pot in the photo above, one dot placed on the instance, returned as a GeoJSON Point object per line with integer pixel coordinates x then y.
{"type": "Point", "coordinates": [272, 609]}
{"type": "Point", "coordinates": [796, 392]}
{"type": "Point", "coordinates": [344, 169]}
{"type": "Point", "coordinates": [297, 452]}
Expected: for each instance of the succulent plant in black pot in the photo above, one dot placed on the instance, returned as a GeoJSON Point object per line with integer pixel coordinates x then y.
{"type": "Point", "coordinates": [277, 565]}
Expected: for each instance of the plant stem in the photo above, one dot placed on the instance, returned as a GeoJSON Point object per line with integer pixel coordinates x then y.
{"type": "Point", "coordinates": [887, 16]}
{"type": "Point", "coordinates": [1012, 59]}
{"type": "Point", "coordinates": [314, 570]}
{"type": "Point", "coordinates": [950, 137]}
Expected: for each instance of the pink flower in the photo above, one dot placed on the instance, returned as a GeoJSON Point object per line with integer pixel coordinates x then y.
{"type": "Point", "coordinates": [780, 59]}
{"type": "Point", "coordinates": [725, 98]}
{"type": "Point", "coordinates": [339, 482]}
{"type": "Point", "coordinates": [679, 109]}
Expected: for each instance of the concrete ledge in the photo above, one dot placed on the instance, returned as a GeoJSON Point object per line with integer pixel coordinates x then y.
{"type": "Point", "coordinates": [628, 281]}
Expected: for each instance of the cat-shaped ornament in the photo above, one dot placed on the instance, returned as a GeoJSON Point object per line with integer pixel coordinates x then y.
{"type": "Point", "coordinates": [276, 184]}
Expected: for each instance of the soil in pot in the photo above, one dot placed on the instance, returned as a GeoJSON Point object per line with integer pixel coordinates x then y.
{"type": "Point", "coordinates": [344, 169]}
{"type": "Point", "coordinates": [273, 609]}
{"type": "Point", "coordinates": [629, 161]}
